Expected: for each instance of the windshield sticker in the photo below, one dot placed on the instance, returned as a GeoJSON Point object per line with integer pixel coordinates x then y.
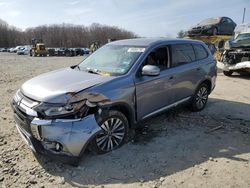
{"type": "Point", "coordinates": [136, 49]}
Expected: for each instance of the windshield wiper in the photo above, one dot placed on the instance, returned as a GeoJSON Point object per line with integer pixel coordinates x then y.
{"type": "Point", "coordinates": [78, 67]}
{"type": "Point", "coordinates": [93, 71]}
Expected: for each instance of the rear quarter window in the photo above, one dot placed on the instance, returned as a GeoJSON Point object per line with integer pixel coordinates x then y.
{"type": "Point", "coordinates": [200, 52]}
{"type": "Point", "coordinates": [182, 54]}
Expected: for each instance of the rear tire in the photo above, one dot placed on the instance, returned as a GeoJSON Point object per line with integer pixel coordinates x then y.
{"type": "Point", "coordinates": [114, 132]}
{"type": "Point", "coordinates": [200, 98]}
{"type": "Point", "coordinates": [228, 73]}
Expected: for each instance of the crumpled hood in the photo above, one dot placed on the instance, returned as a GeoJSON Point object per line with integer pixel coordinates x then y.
{"type": "Point", "coordinates": [237, 43]}
{"type": "Point", "coordinates": [53, 87]}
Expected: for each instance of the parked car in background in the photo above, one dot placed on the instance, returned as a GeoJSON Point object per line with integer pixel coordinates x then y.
{"type": "Point", "coordinates": [11, 50]}
{"type": "Point", "coordinates": [3, 50]}
{"type": "Point", "coordinates": [82, 51]}
{"type": "Point", "coordinates": [242, 28]}
{"type": "Point", "coordinates": [241, 40]}
{"type": "Point", "coordinates": [17, 48]}
{"type": "Point", "coordinates": [51, 51]}
{"type": "Point", "coordinates": [95, 103]}
{"type": "Point", "coordinates": [60, 51]}
{"type": "Point", "coordinates": [236, 55]}
{"type": "Point", "coordinates": [70, 52]}
{"type": "Point", "coordinates": [86, 50]}
{"type": "Point", "coordinates": [213, 26]}
{"type": "Point", "coordinates": [23, 51]}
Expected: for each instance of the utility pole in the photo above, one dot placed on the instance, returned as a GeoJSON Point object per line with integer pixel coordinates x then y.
{"type": "Point", "coordinates": [244, 15]}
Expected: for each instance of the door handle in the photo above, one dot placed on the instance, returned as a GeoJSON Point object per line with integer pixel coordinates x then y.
{"type": "Point", "coordinates": [171, 77]}
{"type": "Point", "coordinates": [198, 69]}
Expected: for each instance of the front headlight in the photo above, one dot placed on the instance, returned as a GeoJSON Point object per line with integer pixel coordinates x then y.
{"type": "Point", "coordinates": [59, 109]}
{"type": "Point", "coordinates": [227, 45]}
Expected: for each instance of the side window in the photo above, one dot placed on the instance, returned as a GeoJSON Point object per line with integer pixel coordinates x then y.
{"type": "Point", "coordinates": [229, 20]}
{"type": "Point", "coordinates": [200, 52]}
{"type": "Point", "coordinates": [158, 57]}
{"type": "Point", "coordinates": [223, 20]}
{"type": "Point", "coordinates": [182, 54]}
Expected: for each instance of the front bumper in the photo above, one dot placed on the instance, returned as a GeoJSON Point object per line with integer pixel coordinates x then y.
{"type": "Point", "coordinates": [62, 139]}
{"type": "Point", "coordinates": [241, 66]}
{"type": "Point", "coordinates": [200, 31]}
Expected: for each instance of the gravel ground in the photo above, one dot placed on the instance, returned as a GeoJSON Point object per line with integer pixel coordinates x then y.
{"type": "Point", "coordinates": [176, 149]}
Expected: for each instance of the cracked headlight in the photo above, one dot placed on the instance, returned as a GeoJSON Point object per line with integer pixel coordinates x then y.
{"type": "Point", "coordinates": [59, 109]}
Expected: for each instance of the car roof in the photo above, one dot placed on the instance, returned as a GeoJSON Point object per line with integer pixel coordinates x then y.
{"type": "Point", "coordinates": [145, 42]}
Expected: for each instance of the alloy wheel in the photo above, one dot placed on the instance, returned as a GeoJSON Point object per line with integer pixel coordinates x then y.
{"type": "Point", "coordinates": [112, 134]}
{"type": "Point", "coordinates": [201, 97]}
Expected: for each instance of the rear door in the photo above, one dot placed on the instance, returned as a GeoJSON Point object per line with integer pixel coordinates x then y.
{"type": "Point", "coordinates": [187, 71]}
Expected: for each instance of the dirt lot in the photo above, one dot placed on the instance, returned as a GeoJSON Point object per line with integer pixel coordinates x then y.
{"type": "Point", "coordinates": [176, 149]}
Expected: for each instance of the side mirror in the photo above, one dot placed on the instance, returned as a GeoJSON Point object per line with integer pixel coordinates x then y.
{"type": "Point", "coordinates": [150, 70]}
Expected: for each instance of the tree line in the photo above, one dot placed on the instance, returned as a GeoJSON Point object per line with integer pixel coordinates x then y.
{"type": "Point", "coordinates": [61, 35]}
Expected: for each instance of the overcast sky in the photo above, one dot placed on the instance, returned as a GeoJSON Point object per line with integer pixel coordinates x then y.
{"type": "Point", "coordinates": [149, 18]}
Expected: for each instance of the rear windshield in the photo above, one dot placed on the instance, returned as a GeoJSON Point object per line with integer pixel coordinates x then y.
{"type": "Point", "coordinates": [210, 21]}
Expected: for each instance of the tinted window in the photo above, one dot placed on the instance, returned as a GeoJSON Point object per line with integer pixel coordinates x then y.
{"type": "Point", "coordinates": [182, 54]}
{"type": "Point", "coordinates": [200, 52]}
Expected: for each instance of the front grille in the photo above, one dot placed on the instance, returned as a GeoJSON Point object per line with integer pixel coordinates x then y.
{"type": "Point", "coordinates": [21, 118]}
{"type": "Point", "coordinates": [19, 103]}
{"type": "Point", "coordinates": [22, 123]}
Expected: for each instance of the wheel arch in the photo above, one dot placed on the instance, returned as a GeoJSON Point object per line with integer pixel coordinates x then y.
{"type": "Point", "coordinates": [126, 110]}
{"type": "Point", "coordinates": [208, 82]}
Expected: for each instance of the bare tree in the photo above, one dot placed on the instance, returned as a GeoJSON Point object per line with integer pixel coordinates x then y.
{"type": "Point", "coordinates": [181, 34]}
{"type": "Point", "coordinates": [62, 35]}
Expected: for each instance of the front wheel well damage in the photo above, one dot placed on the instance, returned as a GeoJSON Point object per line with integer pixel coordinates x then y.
{"type": "Point", "coordinates": [126, 111]}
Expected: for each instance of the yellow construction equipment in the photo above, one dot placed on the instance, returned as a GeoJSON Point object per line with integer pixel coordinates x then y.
{"type": "Point", "coordinates": [38, 48]}
{"type": "Point", "coordinates": [216, 41]}
{"type": "Point", "coordinates": [94, 46]}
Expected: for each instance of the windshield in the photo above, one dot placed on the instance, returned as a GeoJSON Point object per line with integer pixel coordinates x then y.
{"type": "Point", "coordinates": [209, 21]}
{"type": "Point", "coordinates": [243, 36]}
{"type": "Point", "coordinates": [111, 60]}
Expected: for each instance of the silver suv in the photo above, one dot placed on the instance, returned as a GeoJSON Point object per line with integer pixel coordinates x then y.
{"type": "Point", "coordinates": [95, 103]}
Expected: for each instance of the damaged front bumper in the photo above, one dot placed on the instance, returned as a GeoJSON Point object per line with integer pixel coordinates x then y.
{"type": "Point", "coordinates": [62, 139]}
{"type": "Point", "coordinates": [241, 66]}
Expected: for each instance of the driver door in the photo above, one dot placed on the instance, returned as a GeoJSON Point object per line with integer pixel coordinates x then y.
{"type": "Point", "coordinates": [154, 92]}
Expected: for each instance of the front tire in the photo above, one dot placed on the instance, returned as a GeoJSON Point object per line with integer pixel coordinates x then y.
{"type": "Point", "coordinates": [200, 98]}
{"type": "Point", "coordinates": [114, 132]}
